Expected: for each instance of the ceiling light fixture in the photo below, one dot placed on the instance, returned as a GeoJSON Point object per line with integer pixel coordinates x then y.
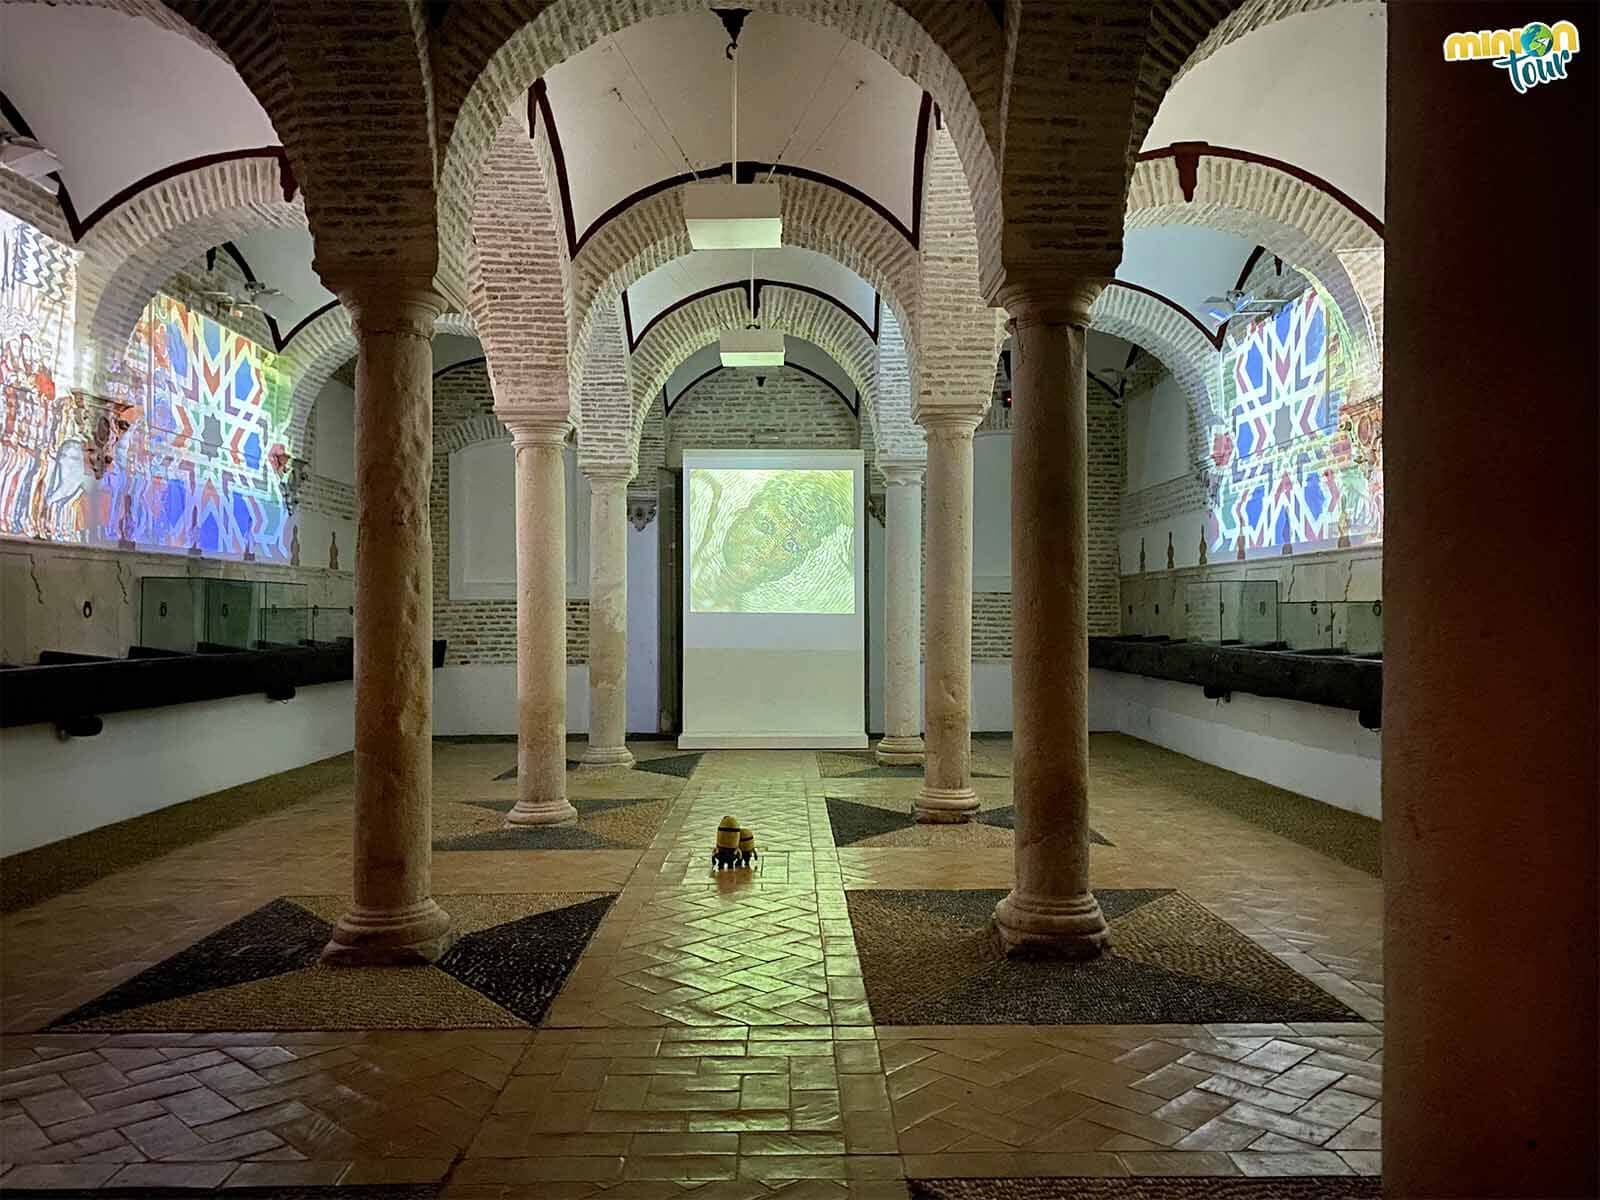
{"type": "Point", "coordinates": [752, 346]}
{"type": "Point", "coordinates": [733, 216]}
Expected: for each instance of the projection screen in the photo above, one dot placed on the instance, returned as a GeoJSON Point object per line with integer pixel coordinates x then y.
{"type": "Point", "coordinates": [774, 643]}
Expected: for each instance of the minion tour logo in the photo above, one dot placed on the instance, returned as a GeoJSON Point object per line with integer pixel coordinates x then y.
{"type": "Point", "coordinates": [1537, 53]}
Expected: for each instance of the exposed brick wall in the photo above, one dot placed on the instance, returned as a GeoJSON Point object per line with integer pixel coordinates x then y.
{"type": "Point", "coordinates": [1107, 466]}
{"type": "Point", "coordinates": [956, 366]}
{"type": "Point", "coordinates": [991, 626]}
{"type": "Point", "coordinates": [1163, 331]}
{"type": "Point", "coordinates": [792, 411]}
{"type": "Point", "coordinates": [478, 631]}
{"type": "Point", "coordinates": [518, 297]}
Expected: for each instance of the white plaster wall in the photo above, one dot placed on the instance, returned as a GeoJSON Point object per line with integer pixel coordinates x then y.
{"type": "Point", "coordinates": [1158, 435]}
{"type": "Point", "coordinates": [1319, 752]}
{"type": "Point", "coordinates": [991, 513]}
{"type": "Point", "coordinates": [481, 698]}
{"type": "Point", "coordinates": [152, 758]}
{"type": "Point", "coordinates": [333, 449]}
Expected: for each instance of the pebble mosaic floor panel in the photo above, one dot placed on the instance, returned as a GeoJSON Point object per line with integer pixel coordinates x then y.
{"type": "Point", "coordinates": [875, 821]}
{"type": "Point", "coordinates": [510, 958]}
{"type": "Point", "coordinates": [602, 824]}
{"type": "Point", "coordinates": [933, 958]}
{"type": "Point", "coordinates": [863, 764]}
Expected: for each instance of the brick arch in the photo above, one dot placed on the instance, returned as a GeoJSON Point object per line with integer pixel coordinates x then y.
{"type": "Point", "coordinates": [483, 428]}
{"type": "Point", "coordinates": [799, 314]}
{"type": "Point", "coordinates": [607, 435]}
{"type": "Point", "coordinates": [487, 56]}
{"type": "Point", "coordinates": [1166, 331]}
{"type": "Point", "coordinates": [815, 217]}
{"type": "Point", "coordinates": [518, 276]}
{"type": "Point", "coordinates": [129, 254]}
{"type": "Point", "coordinates": [321, 348]}
{"type": "Point", "coordinates": [1289, 214]}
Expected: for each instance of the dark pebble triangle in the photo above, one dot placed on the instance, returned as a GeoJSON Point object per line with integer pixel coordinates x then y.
{"type": "Point", "coordinates": [522, 964]}
{"type": "Point", "coordinates": [852, 822]}
{"type": "Point", "coordinates": [277, 938]}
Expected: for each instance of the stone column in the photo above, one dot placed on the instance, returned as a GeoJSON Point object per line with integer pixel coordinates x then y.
{"type": "Point", "coordinates": [538, 439]}
{"type": "Point", "coordinates": [947, 793]}
{"type": "Point", "coordinates": [1490, 698]}
{"type": "Point", "coordinates": [608, 617]}
{"type": "Point", "coordinates": [902, 676]}
{"type": "Point", "coordinates": [1050, 909]}
{"type": "Point", "coordinates": [393, 918]}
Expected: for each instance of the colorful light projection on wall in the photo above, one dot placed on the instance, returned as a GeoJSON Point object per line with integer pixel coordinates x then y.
{"type": "Point", "coordinates": [44, 440]}
{"type": "Point", "coordinates": [1295, 461]}
{"type": "Point", "coordinates": [188, 453]}
{"type": "Point", "coordinates": [205, 464]}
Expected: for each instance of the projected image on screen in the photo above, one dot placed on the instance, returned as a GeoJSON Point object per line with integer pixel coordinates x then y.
{"type": "Point", "coordinates": [771, 541]}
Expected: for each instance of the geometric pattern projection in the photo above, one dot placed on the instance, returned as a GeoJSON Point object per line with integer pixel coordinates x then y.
{"type": "Point", "coordinates": [47, 447]}
{"type": "Point", "coordinates": [933, 958]}
{"type": "Point", "coordinates": [1294, 460]}
{"type": "Point", "coordinates": [205, 458]}
{"type": "Point", "coordinates": [511, 955]}
{"type": "Point", "coordinates": [189, 452]}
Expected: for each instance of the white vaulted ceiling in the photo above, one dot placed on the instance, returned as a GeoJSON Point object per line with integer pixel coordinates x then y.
{"type": "Point", "coordinates": [118, 99]}
{"type": "Point", "coordinates": [1308, 90]}
{"type": "Point", "coordinates": [1185, 263]}
{"type": "Point", "coordinates": [619, 105]}
{"type": "Point", "coordinates": [281, 258]}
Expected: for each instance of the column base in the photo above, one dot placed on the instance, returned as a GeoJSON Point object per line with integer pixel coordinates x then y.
{"type": "Point", "coordinates": [608, 756]}
{"type": "Point", "coordinates": [547, 812]}
{"type": "Point", "coordinates": [1045, 927]}
{"type": "Point", "coordinates": [381, 937]}
{"type": "Point", "coordinates": [901, 751]}
{"type": "Point", "coordinates": [945, 806]}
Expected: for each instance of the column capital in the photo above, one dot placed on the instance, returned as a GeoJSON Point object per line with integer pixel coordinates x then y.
{"type": "Point", "coordinates": [608, 474]}
{"type": "Point", "coordinates": [378, 305]}
{"type": "Point", "coordinates": [1054, 302]}
{"type": "Point", "coordinates": [535, 427]}
{"type": "Point", "coordinates": [949, 422]}
{"type": "Point", "coordinates": [902, 472]}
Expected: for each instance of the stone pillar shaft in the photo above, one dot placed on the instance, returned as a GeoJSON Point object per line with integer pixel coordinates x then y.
{"type": "Point", "coordinates": [393, 918]}
{"type": "Point", "coordinates": [608, 619]}
{"type": "Point", "coordinates": [538, 440]}
{"type": "Point", "coordinates": [946, 793]}
{"type": "Point", "coordinates": [1050, 910]}
{"type": "Point", "coordinates": [1491, 936]}
{"type": "Point", "coordinates": [902, 678]}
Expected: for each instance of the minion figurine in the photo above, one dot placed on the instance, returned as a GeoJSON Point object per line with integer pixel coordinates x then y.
{"type": "Point", "coordinates": [747, 847]}
{"type": "Point", "coordinates": [726, 853]}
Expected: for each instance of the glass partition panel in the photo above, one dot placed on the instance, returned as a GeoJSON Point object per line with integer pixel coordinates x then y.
{"type": "Point", "coordinates": [1258, 612]}
{"type": "Point", "coordinates": [329, 624]}
{"type": "Point", "coordinates": [171, 612]}
{"type": "Point", "coordinates": [1365, 627]}
{"type": "Point", "coordinates": [1202, 612]}
{"type": "Point", "coordinates": [285, 613]}
{"type": "Point", "coordinates": [1306, 624]}
{"type": "Point", "coordinates": [231, 613]}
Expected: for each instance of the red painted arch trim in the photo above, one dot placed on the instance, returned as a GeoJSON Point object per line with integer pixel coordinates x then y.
{"type": "Point", "coordinates": [1187, 156]}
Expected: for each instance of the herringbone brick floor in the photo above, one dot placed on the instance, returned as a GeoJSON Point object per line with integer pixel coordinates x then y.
{"type": "Point", "coordinates": [715, 1035]}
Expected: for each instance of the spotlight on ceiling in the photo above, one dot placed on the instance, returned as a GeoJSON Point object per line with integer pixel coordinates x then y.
{"type": "Point", "coordinates": [740, 216]}
{"type": "Point", "coordinates": [752, 348]}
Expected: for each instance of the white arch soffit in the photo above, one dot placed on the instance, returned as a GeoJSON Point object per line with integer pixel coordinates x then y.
{"type": "Point", "coordinates": [1165, 332]}
{"type": "Point", "coordinates": [566, 28]}
{"type": "Point", "coordinates": [798, 314]}
{"type": "Point", "coordinates": [1250, 16]}
{"type": "Point", "coordinates": [1293, 220]}
{"type": "Point", "coordinates": [325, 345]}
{"type": "Point", "coordinates": [815, 217]}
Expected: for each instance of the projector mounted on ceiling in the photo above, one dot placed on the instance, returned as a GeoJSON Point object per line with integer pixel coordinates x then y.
{"type": "Point", "coordinates": [739, 216]}
{"type": "Point", "coordinates": [27, 157]}
{"type": "Point", "coordinates": [752, 348]}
